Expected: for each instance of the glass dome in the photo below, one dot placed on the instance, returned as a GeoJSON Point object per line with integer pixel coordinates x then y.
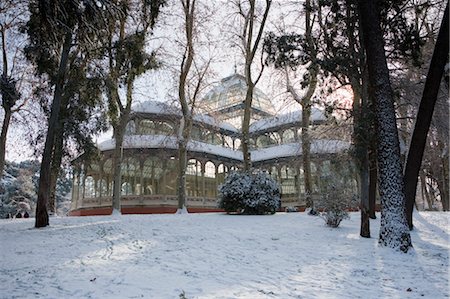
{"type": "Point", "coordinates": [226, 101]}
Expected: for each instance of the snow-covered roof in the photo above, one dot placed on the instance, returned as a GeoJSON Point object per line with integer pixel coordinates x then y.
{"type": "Point", "coordinates": [274, 152]}
{"type": "Point", "coordinates": [162, 141]}
{"type": "Point", "coordinates": [317, 115]}
{"type": "Point", "coordinates": [206, 119]}
{"type": "Point", "coordinates": [160, 108]}
{"type": "Point", "coordinates": [155, 107]}
{"type": "Point", "coordinates": [323, 146]}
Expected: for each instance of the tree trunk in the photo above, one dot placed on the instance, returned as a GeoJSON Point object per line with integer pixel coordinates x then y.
{"type": "Point", "coordinates": [373, 176]}
{"type": "Point", "coordinates": [56, 167]}
{"type": "Point", "coordinates": [424, 115]}
{"type": "Point", "coordinates": [246, 125]}
{"type": "Point", "coordinates": [306, 108]}
{"type": "Point", "coordinates": [119, 132]}
{"type": "Point", "coordinates": [394, 231]}
{"type": "Point", "coordinates": [44, 176]}
{"type": "Point", "coordinates": [306, 154]}
{"type": "Point", "coordinates": [444, 184]}
{"type": "Point", "coordinates": [182, 165]}
{"type": "Point", "coordinates": [6, 122]}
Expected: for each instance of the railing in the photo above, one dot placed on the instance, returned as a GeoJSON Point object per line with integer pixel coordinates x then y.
{"type": "Point", "coordinates": [171, 200]}
{"type": "Point", "coordinates": [149, 200]}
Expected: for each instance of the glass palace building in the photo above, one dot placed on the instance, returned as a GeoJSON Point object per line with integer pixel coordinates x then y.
{"type": "Point", "coordinates": [149, 166]}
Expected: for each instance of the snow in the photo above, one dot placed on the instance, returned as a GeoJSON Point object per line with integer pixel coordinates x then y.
{"type": "Point", "coordinates": [286, 255]}
{"type": "Point", "coordinates": [323, 146]}
{"type": "Point", "coordinates": [160, 108]}
{"type": "Point", "coordinates": [295, 117]}
{"type": "Point", "coordinates": [163, 141]}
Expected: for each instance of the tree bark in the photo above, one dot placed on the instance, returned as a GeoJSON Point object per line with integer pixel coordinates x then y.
{"type": "Point", "coordinates": [373, 176]}
{"type": "Point", "coordinates": [394, 231]}
{"type": "Point", "coordinates": [250, 43]}
{"type": "Point", "coordinates": [246, 125]}
{"type": "Point", "coordinates": [44, 176]}
{"type": "Point", "coordinates": [424, 115]}
{"type": "Point", "coordinates": [119, 133]}
{"type": "Point", "coordinates": [6, 122]}
{"type": "Point", "coordinates": [182, 163]}
{"type": "Point", "coordinates": [56, 165]}
{"type": "Point", "coordinates": [187, 109]}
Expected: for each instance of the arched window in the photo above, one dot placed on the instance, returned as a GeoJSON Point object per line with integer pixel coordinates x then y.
{"type": "Point", "coordinates": [287, 181]}
{"type": "Point", "coordinates": [193, 167]}
{"type": "Point", "coordinates": [210, 179]}
{"type": "Point", "coordinates": [130, 129]}
{"type": "Point", "coordinates": [152, 176]}
{"type": "Point", "coordinates": [126, 189]}
{"type": "Point", "coordinates": [288, 136]}
{"type": "Point", "coordinates": [228, 141]}
{"type": "Point", "coordinates": [193, 175]}
{"type": "Point", "coordinates": [131, 175]}
{"type": "Point", "coordinates": [146, 127]}
{"type": "Point", "coordinates": [163, 128]}
{"type": "Point", "coordinates": [103, 186]}
{"type": "Point", "coordinates": [89, 187]}
{"type": "Point", "coordinates": [221, 172]}
{"type": "Point", "coordinates": [210, 170]}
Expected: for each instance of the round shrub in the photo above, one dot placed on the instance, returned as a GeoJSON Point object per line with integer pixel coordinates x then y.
{"type": "Point", "coordinates": [335, 202]}
{"type": "Point", "coordinates": [249, 193]}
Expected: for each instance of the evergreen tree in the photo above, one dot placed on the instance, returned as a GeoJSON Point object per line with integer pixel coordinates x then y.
{"type": "Point", "coordinates": [57, 29]}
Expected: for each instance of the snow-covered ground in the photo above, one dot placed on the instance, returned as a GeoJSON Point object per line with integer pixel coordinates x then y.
{"type": "Point", "coordinates": [219, 256]}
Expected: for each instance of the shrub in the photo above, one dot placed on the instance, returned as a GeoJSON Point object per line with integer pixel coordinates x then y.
{"type": "Point", "coordinates": [249, 193]}
{"type": "Point", "coordinates": [335, 202]}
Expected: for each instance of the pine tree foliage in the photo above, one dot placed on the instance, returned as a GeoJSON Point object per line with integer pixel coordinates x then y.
{"type": "Point", "coordinates": [18, 189]}
{"type": "Point", "coordinates": [249, 193]}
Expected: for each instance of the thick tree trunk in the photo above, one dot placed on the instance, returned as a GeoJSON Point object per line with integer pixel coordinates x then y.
{"type": "Point", "coordinates": [443, 184]}
{"type": "Point", "coordinates": [5, 127]}
{"type": "Point", "coordinates": [306, 154]}
{"type": "Point", "coordinates": [182, 165]}
{"type": "Point", "coordinates": [119, 132]}
{"type": "Point", "coordinates": [246, 125]}
{"type": "Point", "coordinates": [424, 115]}
{"type": "Point", "coordinates": [56, 167]}
{"type": "Point", "coordinates": [373, 176]}
{"type": "Point", "coordinates": [306, 108]}
{"type": "Point", "coordinates": [394, 231]}
{"type": "Point", "coordinates": [184, 134]}
{"type": "Point", "coordinates": [44, 176]}
{"type": "Point", "coordinates": [6, 106]}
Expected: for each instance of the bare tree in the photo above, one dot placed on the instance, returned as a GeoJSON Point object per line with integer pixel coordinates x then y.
{"type": "Point", "coordinates": [191, 81]}
{"type": "Point", "coordinates": [250, 38]}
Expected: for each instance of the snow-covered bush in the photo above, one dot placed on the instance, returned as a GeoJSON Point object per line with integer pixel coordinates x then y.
{"type": "Point", "coordinates": [249, 193]}
{"type": "Point", "coordinates": [335, 202]}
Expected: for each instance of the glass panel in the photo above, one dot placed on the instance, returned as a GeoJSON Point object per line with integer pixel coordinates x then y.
{"type": "Point", "coordinates": [89, 187]}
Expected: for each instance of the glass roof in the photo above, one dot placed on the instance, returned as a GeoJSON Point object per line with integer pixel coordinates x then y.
{"type": "Point", "coordinates": [229, 95]}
